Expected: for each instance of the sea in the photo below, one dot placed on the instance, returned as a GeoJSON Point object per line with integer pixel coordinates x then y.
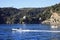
{"type": "Point", "coordinates": [29, 32]}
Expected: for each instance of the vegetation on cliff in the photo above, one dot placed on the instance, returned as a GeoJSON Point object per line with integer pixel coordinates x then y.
{"type": "Point", "coordinates": [11, 15]}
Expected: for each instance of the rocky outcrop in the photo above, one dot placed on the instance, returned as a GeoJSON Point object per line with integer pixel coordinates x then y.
{"type": "Point", "coordinates": [53, 20]}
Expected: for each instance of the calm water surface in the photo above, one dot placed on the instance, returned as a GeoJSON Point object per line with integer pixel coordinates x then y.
{"type": "Point", "coordinates": [6, 32]}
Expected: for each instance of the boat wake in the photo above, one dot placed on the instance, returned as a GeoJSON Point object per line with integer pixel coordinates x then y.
{"type": "Point", "coordinates": [21, 30]}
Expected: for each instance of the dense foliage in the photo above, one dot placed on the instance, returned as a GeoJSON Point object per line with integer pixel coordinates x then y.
{"type": "Point", "coordinates": [11, 15]}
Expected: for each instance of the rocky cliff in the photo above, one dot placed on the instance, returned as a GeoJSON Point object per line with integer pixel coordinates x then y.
{"type": "Point", "coordinates": [53, 20]}
{"type": "Point", "coordinates": [46, 15]}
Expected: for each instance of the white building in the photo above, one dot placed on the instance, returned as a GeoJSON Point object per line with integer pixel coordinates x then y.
{"type": "Point", "coordinates": [40, 18]}
{"type": "Point", "coordinates": [24, 17]}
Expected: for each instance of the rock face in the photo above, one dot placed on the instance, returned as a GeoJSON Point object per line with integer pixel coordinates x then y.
{"type": "Point", "coordinates": [53, 20]}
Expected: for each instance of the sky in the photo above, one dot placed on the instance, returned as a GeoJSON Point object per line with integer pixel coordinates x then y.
{"type": "Point", "coordinates": [27, 3]}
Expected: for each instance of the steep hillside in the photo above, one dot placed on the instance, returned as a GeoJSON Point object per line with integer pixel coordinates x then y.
{"type": "Point", "coordinates": [11, 15]}
{"type": "Point", "coordinates": [55, 17]}
{"type": "Point", "coordinates": [53, 20]}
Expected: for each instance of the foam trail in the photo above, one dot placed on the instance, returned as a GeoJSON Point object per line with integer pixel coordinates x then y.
{"type": "Point", "coordinates": [20, 30]}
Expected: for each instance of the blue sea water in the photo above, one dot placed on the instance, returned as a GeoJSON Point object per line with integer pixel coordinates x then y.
{"type": "Point", "coordinates": [6, 32]}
